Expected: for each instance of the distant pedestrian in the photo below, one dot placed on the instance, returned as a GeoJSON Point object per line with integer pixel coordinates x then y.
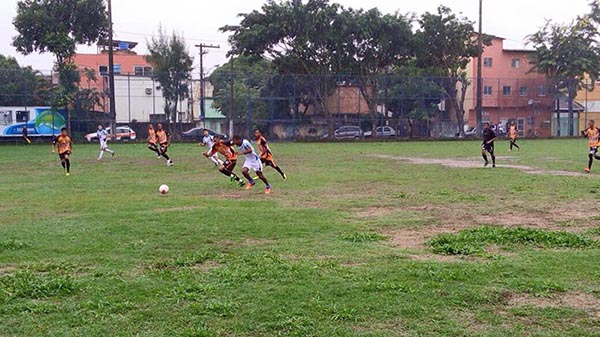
{"type": "Point", "coordinates": [25, 135]}
{"type": "Point", "coordinates": [512, 135]}
{"type": "Point", "coordinates": [489, 136]}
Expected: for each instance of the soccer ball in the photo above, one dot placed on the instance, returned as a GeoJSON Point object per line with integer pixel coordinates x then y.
{"type": "Point", "coordinates": [163, 189]}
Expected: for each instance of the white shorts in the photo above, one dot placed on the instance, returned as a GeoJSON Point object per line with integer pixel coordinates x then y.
{"type": "Point", "coordinates": [253, 164]}
{"type": "Point", "coordinates": [103, 145]}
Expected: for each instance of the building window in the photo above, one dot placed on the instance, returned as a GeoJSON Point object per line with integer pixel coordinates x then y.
{"type": "Point", "coordinates": [22, 116]}
{"type": "Point", "coordinates": [103, 70]}
{"type": "Point", "coordinates": [541, 91]}
{"type": "Point", "coordinates": [523, 91]}
{"type": "Point", "coordinates": [143, 70]}
{"type": "Point", "coordinates": [506, 90]}
{"type": "Point", "coordinates": [487, 90]}
{"type": "Point", "coordinates": [515, 63]}
{"type": "Point", "coordinates": [487, 62]}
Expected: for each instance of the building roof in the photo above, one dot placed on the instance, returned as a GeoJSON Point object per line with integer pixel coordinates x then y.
{"type": "Point", "coordinates": [118, 44]}
{"type": "Point", "coordinates": [210, 112]}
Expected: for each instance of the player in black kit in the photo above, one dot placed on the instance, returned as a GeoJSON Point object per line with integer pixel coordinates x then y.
{"type": "Point", "coordinates": [489, 136]}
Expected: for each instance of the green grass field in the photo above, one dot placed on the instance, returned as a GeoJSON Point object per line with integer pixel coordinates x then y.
{"type": "Point", "coordinates": [360, 241]}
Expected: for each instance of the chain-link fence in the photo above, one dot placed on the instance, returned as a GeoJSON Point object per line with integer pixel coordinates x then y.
{"type": "Point", "coordinates": [293, 107]}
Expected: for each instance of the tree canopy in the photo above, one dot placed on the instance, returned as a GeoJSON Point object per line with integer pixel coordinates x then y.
{"type": "Point", "coordinates": [568, 54]}
{"type": "Point", "coordinates": [172, 66]}
{"type": "Point", "coordinates": [22, 86]}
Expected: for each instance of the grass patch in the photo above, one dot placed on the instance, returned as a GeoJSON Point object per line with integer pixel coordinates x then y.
{"type": "Point", "coordinates": [12, 245]}
{"type": "Point", "coordinates": [25, 284]}
{"type": "Point", "coordinates": [361, 237]}
{"type": "Point", "coordinates": [475, 240]}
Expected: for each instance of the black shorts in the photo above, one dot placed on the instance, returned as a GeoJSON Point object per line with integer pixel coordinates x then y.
{"type": "Point", "coordinates": [229, 165]}
{"type": "Point", "coordinates": [164, 148]}
{"type": "Point", "coordinates": [152, 146]}
{"type": "Point", "coordinates": [63, 155]}
{"type": "Point", "coordinates": [593, 150]}
{"type": "Point", "coordinates": [267, 162]}
{"type": "Point", "coordinates": [488, 147]}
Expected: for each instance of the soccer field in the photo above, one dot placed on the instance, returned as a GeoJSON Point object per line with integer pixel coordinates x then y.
{"type": "Point", "coordinates": [363, 239]}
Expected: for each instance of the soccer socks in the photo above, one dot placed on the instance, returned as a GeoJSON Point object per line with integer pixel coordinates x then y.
{"type": "Point", "coordinates": [485, 158]}
{"type": "Point", "coordinates": [164, 155]}
{"type": "Point", "coordinates": [494, 159]}
{"type": "Point", "coordinates": [278, 169]}
{"type": "Point", "coordinates": [68, 164]}
{"type": "Point", "coordinates": [101, 154]}
{"type": "Point", "coordinates": [515, 145]}
{"type": "Point", "coordinates": [591, 160]}
{"type": "Point", "coordinates": [63, 164]}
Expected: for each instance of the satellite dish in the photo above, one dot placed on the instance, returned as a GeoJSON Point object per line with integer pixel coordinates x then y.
{"type": "Point", "coordinates": [531, 102]}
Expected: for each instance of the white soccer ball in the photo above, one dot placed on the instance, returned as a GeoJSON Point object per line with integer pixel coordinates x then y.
{"type": "Point", "coordinates": [163, 189]}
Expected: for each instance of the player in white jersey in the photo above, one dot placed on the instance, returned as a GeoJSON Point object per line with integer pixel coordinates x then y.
{"type": "Point", "coordinates": [103, 139]}
{"type": "Point", "coordinates": [209, 142]}
{"type": "Point", "coordinates": [252, 162]}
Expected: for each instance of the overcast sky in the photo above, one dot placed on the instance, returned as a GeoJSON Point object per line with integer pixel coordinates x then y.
{"type": "Point", "coordinates": [198, 21]}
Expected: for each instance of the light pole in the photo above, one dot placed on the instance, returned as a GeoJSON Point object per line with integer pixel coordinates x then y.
{"type": "Point", "coordinates": [111, 73]}
{"type": "Point", "coordinates": [479, 70]}
{"type": "Point", "coordinates": [202, 107]}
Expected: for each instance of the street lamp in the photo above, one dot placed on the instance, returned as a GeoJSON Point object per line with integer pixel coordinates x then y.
{"type": "Point", "coordinates": [479, 70]}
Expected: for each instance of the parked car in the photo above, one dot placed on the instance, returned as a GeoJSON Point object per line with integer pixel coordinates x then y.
{"type": "Point", "coordinates": [197, 134]}
{"type": "Point", "coordinates": [382, 132]}
{"type": "Point", "coordinates": [471, 132]}
{"type": "Point", "coordinates": [123, 133]}
{"type": "Point", "coordinates": [348, 132]}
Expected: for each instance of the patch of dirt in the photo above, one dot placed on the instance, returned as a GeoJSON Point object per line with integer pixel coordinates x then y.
{"type": "Point", "coordinates": [177, 209]}
{"type": "Point", "coordinates": [452, 219]}
{"type": "Point", "coordinates": [574, 300]}
{"type": "Point", "coordinates": [8, 269]}
{"type": "Point", "coordinates": [374, 212]}
{"type": "Point", "coordinates": [468, 163]}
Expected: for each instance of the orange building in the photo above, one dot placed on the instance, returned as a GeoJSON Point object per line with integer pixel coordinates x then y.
{"type": "Point", "coordinates": [511, 91]}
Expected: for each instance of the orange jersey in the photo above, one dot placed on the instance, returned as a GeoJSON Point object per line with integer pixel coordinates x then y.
{"type": "Point", "coordinates": [593, 135]}
{"type": "Point", "coordinates": [162, 137]}
{"type": "Point", "coordinates": [263, 147]}
{"type": "Point", "coordinates": [512, 132]}
{"type": "Point", "coordinates": [63, 143]}
{"type": "Point", "coordinates": [151, 136]}
{"type": "Point", "coordinates": [225, 149]}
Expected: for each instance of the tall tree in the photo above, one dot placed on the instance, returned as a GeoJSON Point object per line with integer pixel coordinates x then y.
{"type": "Point", "coordinates": [57, 27]}
{"type": "Point", "coordinates": [172, 66]}
{"type": "Point", "coordinates": [568, 54]}
{"type": "Point", "coordinates": [412, 95]}
{"type": "Point", "coordinates": [296, 37]}
{"type": "Point", "coordinates": [20, 86]}
{"type": "Point", "coordinates": [249, 76]}
{"type": "Point", "coordinates": [445, 45]}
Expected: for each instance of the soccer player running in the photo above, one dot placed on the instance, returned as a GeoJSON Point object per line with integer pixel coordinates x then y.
{"type": "Point", "coordinates": [162, 137]}
{"type": "Point", "coordinates": [63, 144]}
{"type": "Point", "coordinates": [25, 137]}
{"type": "Point", "coordinates": [512, 135]}
{"type": "Point", "coordinates": [230, 155]}
{"type": "Point", "coordinates": [265, 154]}
{"type": "Point", "coordinates": [152, 141]}
{"type": "Point", "coordinates": [102, 139]}
{"type": "Point", "coordinates": [489, 136]}
{"type": "Point", "coordinates": [209, 142]}
{"type": "Point", "coordinates": [252, 162]}
{"type": "Point", "coordinates": [593, 135]}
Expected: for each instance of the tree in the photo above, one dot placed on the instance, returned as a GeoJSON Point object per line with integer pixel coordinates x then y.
{"type": "Point", "coordinates": [445, 45]}
{"type": "Point", "coordinates": [317, 41]}
{"type": "Point", "coordinates": [250, 75]}
{"type": "Point", "coordinates": [57, 27]}
{"type": "Point", "coordinates": [21, 86]}
{"type": "Point", "coordinates": [568, 54]}
{"type": "Point", "coordinates": [172, 66]}
{"type": "Point", "coordinates": [413, 96]}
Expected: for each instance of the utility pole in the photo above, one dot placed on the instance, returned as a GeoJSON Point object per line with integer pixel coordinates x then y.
{"type": "Point", "coordinates": [202, 53]}
{"type": "Point", "coordinates": [111, 73]}
{"type": "Point", "coordinates": [231, 100]}
{"type": "Point", "coordinates": [479, 71]}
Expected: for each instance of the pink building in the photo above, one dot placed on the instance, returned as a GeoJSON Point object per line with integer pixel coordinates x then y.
{"type": "Point", "coordinates": [511, 91]}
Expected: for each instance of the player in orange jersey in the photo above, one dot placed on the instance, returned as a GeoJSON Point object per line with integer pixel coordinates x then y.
{"type": "Point", "coordinates": [512, 135]}
{"type": "Point", "coordinates": [64, 145]}
{"type": "Point", "coordinates": [226, 149]}
{"type": "Point", "coordinates": [593, 135]}
{"type": "Point", "coordinates": [265, 154]}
